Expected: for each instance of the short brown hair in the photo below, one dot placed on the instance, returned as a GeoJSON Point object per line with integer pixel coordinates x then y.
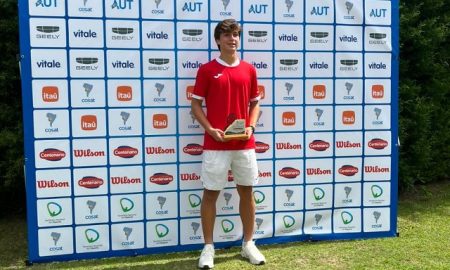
{"type": "Point", "coordinates": [226, 26]}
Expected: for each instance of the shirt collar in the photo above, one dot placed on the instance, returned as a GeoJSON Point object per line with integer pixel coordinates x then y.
{"type": "Point", "coordinates": [223, 63]}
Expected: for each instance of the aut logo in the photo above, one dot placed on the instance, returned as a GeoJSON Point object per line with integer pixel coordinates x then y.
{"type": "Point", "coordinates": [161, 178]}
{"type": "Point", "coordinates": [378, 12]}
{"type": "Point", "coordinates": [262, 91]}
{"type": "Point", "coordinates": [348, 117]}
{"type": "Point", "coordinates": [189, 92]}
{"type": "Point", "coordinates": [46, 3]}
{"type": "Point", "coordinates": [121, 4]}
{"type": "Point", "coordinates": [50, 94]}
{"type": "Point", "coordinates": [88, 122]}
{"type": "Point", "coordinates": [288, 118]}
{"type": "Point", "coordinates": [124, 93]}
{"type": "Point", "coordinates": [258, 9]}
{"type": "Point", "coordinates": [319, 91]}
{"type": "Point", "coordinates": [160, 121]}
{"type": "Point", "coordinates": [377, 144]}
{"type": "Point", "coordinates": [52, 154]}
{"type": "Point", "coordinates": [192, 6]}
{"type": "Point", "coordinates": [377, 91]}
{"type": "Point", "coordinates": [320, 11]}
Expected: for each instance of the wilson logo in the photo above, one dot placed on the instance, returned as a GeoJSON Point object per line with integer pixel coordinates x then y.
{"type": "Point", "coordinates": [347, 144]}
{"type": "Point", "coordinates": [161, 179]}
{"type": "Point", "coordinates": [160, 121]}
{"type": "Point", "coordinates": [88, 122]}
{"type": "Point", "coordinates": [317, 171]}
{"type": "Point", "coordinates": [348, 117]}
{"type": "Point", "coordinates": [193, 149]}
{"type": "Point", "coordinates": [189, 177]}
{"type": "Point", "coordinates": [377, 144]}
{"type": "Point", "coordinates": [348, 170]}
{"type": "Point", "coordinates": [124, 93]}
{"type": "Point", "coordinates": [125, 151]}
{"type": "Point", "coordinates": [51, 184]}
{"type": "Point", "coordinates": [377, 91]}
{"type": "Point", "coordinates": [262, 91]}
{"type": "Point", "coordinates": [88, 153]}
{"type": "Point", "coordinates": [289, 172]}
{"type": "Point", "coordinates": [52, 154]}
{"type": "Point", "coordinates": [288, 118]}
{"type": "Point", "coordinates": [319, 145]}
{"type": "Point", "coordinates": [261, 147]}
{"type": "Point", "coordinates": [376, 169]}
{"type": "Point", "coordinates": [288, 146]}
{"type": "Point", "coordinates": [189, 92]}
{"type": "Point", "coordinates": [319, 91]}
{"type": "Point", "coordinates": [90, 182]}
{"type": "Point", "coordinates": [159, 150]}
{"type": "Point", "coordinates": [125, 180]}
{"type": "Point", "coordinates": [50, 94]}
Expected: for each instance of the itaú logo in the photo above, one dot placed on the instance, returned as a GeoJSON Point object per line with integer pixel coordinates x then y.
{"type": "Point", "coordinates": [50, 94]}
{"type": "Point", "coordinates": [377, 144]}
{"type": "Point", "coordinates": [160, 121]}
{"type": "Point", "coordinates": [189, 92]}
{"type": "Point", "coordinates": [161, 178]}
{"type": "Point", "coordinates": [261, 147]}
{"type": "Point", "coordinates": [289, 172]}
{"type": "Point", "coordinates": [90, 182]}
{"type": "Point", "coordinates": [348, 170]}
{"type": "Point", "coordinates": [377, 91]}
{"type": "Point", "coordinates": [319, 145]}
{"type": "Point", "coordinates": [262, 91]}
{"type": "Point", "coordinates": [348, 117]}
{"type": "Point", "coordinates": [125, 151]}
{"type": "Point", "coordinates": [124, 93]}
{"type": "Point", "coordinates": [319, 91]}
{"type": "Point", "coordinates": [52, 154]}
{"type": "Point", "coordinates": [288, 118]}
{"type": "Point", "coordinates": [88, 122]}
{"type": "Point", "coordinates": [193, 149]}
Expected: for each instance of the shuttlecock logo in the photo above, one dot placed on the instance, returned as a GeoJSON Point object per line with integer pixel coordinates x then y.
{"type": "Point", "coordinates": [54, 209]}
{"type": "Point", "coordinates": [125, 116]}
{"type": "Point", "coordinates": [376, 215]}
{"type": "Point", "coordinates": [289, 193]}
{"type": "Point", "coordinates": [225, 4]}
{"type": "Point", "coordinates": [377, 112]}
{"type": "Point", "coordinates": [51, 118]}
{"type": "Point", "coordinates": [194, 200]}
{"type": "Point", "coordinates": [346, 217]}
{"type": "Point", "coordinates": [376, 190]}
{"type": "Point", "coordinates": [317, 218]}
{"type": "Point", "coordinates": [349, 6]}
{"type": "Point", "coordinates": [161, 230]}
{"type": "Point", "coordinates": [289, 4]}
{"type": "Point", "coordinates": [227, 196]}
{"type": "Point", "coordinates": [159, 88]}
{"type": "Point", "coordinates": [127, 231]}
{"type": "Point", "coordinates": [259, 222]}
{"type": "Point", "coordinates": [55, 236]}
{"type": "Point", "coordinates": [318, 193]}
{"type": "Point", "coordinates": [87, 88]}
{"type": "Point", "coordinates": [258, 196]}
{"type": "Point", "coordinates": [288, 221]}
{"type": "Point", "coordinates": [91, 205]}
{"type": "Point", "coordinates": [91, 235]}
{"type": "Point", "coordinates": [195, 226]}
{"type": "Point", "coordinates": [347, 191]}
{"type": "Point", "coordinates": [348, 87]}
{"type": "Point", "coordinates": [126, 204]}
{"type": "Point", "coordinates": [227, 225]}
{"type": "Point", "coordinates": [319, 113]}
{"type": "Point", "coordinates": [161, 201]}
{"type": "Point", "coordinates": [289, 87]}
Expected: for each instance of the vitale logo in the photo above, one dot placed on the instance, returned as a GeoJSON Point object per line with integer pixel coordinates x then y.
{"type": "Point", "coordinates": [124, 93]}
{"type": "Point", "coordinates": [50, 94]}
{"type": "Point", "coordinates": [288, 118]}
{"type": "Point", "coordinates": [85, 34]}
{"type": "Point", "coordinates": [122, 4]}
{"type": "Point", "coordinates": [258, 9]}
{"type": "Point", "coordinates": [158, 64]}
{"type": "Point", "coordinates": [86, 63]}
{"type": "Point", "coordinates": [192, 35]}
{"type": "Point", "coordinates": [158, 36]}
{"type": "Point", "coordinates": [47, 32]}
{"type": "Point", "coordinates": [88, 122]}
{"type": "Point", "coordinates": [377, 91]}
{"type": "Point", "coordinates": [319, 91]}
{"type": "Point", "coordinates": [191, 65]}
{"type": "Point", "coordinates": [260, 65]}
{"type": "Point", "coordinates": [377, 38]}
{"type": "Point", "coordinates": [125, 151]}
{"type": "Point", "coordinates": [122, 33]}
{"type": "Point", "coordinates": [160, 121]}
{"type": "Point", "coordinates": [257, 36]}
{"type": "Point", "coordinates": [46, 3]}
{"type": "Point", "coordinates": [192, 6]}
{"type": "Point", "coordinates": [52, 154]}
{"type": "Point", "coordinates": [348, 117]}
{"type": "Point", "coordinates": [161, 179]}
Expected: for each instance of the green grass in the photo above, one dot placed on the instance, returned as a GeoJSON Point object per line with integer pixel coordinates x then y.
{"type": "Point", "coordinates": [424, 243]}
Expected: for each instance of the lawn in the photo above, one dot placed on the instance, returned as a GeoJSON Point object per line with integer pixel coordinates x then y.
{"type": "Point", "coordinates": [424, 243]}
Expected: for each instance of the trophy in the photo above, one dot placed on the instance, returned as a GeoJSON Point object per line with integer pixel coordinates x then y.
{"type": "Point", "coordinates": [236, 131]}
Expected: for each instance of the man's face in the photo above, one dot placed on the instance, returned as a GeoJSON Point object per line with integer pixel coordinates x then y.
{"type": "Point", "coordinates": [229, 42]}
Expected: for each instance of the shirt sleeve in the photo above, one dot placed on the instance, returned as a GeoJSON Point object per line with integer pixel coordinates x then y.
{"type": "Point", "coordinates": [254, 91]}
{"type": "Point", "coordinates": [201, 84]}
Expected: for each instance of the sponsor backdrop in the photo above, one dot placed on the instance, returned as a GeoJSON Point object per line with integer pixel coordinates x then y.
{"type": "Point", "coordinates": [113, 153]}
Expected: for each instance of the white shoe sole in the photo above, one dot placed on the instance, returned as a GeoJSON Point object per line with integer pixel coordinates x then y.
{"type": "Point", "coordinates": [243, 254]}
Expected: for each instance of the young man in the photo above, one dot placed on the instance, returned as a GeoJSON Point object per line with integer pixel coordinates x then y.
{"type": "Point", "coordinates": [230, 90]}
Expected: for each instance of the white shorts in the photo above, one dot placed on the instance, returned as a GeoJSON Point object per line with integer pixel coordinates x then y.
{"type": "Point", "coordinates": [216, 164]}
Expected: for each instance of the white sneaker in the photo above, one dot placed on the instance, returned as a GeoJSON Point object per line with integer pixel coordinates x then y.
{"type": "Point", "coordinates": [251, 252]}
{"type": "Point", "coordinates": [206, 260]}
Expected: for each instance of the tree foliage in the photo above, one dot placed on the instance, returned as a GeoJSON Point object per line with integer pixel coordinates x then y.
{"type": "Point", "coordinates": [424, 98]}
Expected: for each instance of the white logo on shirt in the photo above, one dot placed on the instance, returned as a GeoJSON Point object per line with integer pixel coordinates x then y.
{"type": "Point", "coordinates": [218, 75]}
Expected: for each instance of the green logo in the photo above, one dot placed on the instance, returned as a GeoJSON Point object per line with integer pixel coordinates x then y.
{"type": "Point", "coordinates": [347, 218]}
{"type": "Point", "coordinates": [91, 235]}
{"type": "Point", "coordinates": [258, 196]}
{"type": "Point", "coordinates": [54, 209]}
{"type": "Point", "coordinates": [318, 193]}
{"type": "Point", "coordinates": [377, 191]}
{"type": "Point", "coordinates": [194, 200]}
{"type": "Point", "coordinates": [227, 225]}
{"type": "Point", "coordinates": [126, 204]}
{"type": "Point", "coordinates": [288, 221]}
{"type": "Point", "coordinates": [161, 230]}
